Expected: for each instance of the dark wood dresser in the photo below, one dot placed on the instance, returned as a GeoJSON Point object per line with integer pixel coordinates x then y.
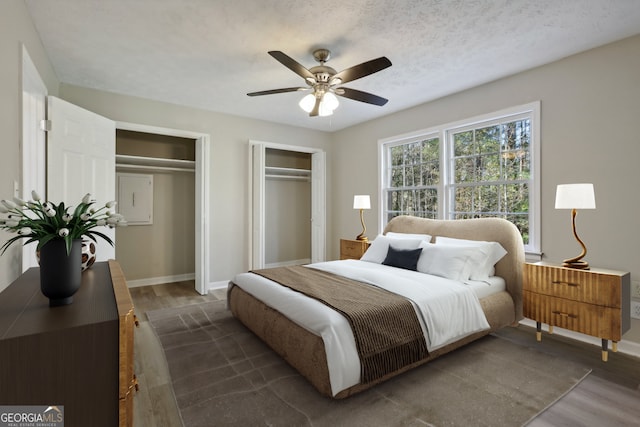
{"type": "Point", "coordinates": [79, 355]}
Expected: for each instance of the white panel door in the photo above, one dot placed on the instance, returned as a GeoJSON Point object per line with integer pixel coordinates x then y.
{"type": "Point", "coordinates": [34, 100]}
{"type": "Point", "coordinates": [81, 159]}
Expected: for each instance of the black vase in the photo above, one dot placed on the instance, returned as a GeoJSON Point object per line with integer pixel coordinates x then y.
{"type": "Point", "coordinates": [60, 274]}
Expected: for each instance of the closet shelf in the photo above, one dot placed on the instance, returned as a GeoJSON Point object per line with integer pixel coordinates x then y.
{"type": "Point", "coordinates": [124, 161]}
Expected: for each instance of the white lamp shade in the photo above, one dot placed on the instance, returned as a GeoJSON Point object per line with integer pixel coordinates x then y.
{"type": "Point", "coordinates": [361, 202]}
{"type": "Point", "coordinates": [308, 102]}
{"type": "Point", "coordinates": [575, 196]}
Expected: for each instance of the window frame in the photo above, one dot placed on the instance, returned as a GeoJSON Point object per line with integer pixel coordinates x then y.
{"type": "Point", "coordinates": [444, 188]}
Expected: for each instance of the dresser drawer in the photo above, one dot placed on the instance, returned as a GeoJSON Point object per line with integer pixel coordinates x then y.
{"type": "Point", "coordinates": [352, 249]}
{"type": "Point", "coordinates": [579, 285]}
{"type": "Point", "coordinates": [591, 319]}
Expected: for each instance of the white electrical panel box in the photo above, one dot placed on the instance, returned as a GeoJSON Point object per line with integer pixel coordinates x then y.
{"type": "Point", "coordinates": [135, 198]}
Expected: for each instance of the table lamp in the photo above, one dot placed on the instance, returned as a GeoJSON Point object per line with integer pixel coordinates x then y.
{"type": "Point", "coordinates": [576, 196]}
{"type": "Point", "coordinates": [362, 202]}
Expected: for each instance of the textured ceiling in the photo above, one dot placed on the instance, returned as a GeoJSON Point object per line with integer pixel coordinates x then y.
{"type": "Point", "coordinates": [209, 53]}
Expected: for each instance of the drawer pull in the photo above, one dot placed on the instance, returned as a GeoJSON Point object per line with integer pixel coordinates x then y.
{"type": "Point", "coordinates": [558, 282]}
{"type": "Point", "coordinates": [560, 313]}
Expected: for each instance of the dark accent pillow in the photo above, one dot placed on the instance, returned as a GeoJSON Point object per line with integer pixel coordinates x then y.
{"type": "Point", "coordinates": [403, 258]}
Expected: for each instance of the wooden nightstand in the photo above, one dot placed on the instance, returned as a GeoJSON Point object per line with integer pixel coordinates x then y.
{"type": "Point", "coordinates": [593, 302]}
{"type": "Point", "coordinates": [352, 249]}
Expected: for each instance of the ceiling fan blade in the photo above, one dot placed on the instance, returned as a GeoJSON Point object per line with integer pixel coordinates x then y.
{"type": "Point", "coordinates": [362, 70]}
{"type": "Point", "coordinates": [292, 64]}
{"type": "Point", "coordinates": [274, 91]}
{"type": "Point", "coordinates": [316, 108]}
{"type": "Point", "coordinates": [361, 96]}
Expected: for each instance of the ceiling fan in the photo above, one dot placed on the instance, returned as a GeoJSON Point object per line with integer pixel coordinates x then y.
{"type": "Point", "coordinates": [324, 81]}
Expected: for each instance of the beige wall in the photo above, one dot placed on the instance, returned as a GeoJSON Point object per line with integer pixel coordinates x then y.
{"type": "Point", "coordinates": [17, 29]}
{"type": "Point", "coordinates": [287, 221]}
{"type": "Point", "coordinates": [589, 133]}
{"type": "Point", "coordinates": [228, 186]}
{"type": "Point", "coordinates": [167, 247]}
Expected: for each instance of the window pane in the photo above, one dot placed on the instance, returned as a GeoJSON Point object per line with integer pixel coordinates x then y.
{"type": "Point", "coordinates": [488, 168]}
{"type": "Point", "coordinates": [463, 144]}
{"type": "Point", "coordinates": [397, 177]}
{"type": "Point", "coordinates": [488, 140]}
{"type": "Point", "coordinates": [516, 165]}
{"type": "Point", "coordinates": [464, 169]}
{"type": "Point", "coordinates": [487, 199]}
{"type": "Point", "coordinates": [516, 198]}
{"type": "Point", "coordinates": [464, 199]}
{"type": "Point", "coordinates": [397, 155]}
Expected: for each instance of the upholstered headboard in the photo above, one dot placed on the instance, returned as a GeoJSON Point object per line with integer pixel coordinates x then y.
{"type": "Point", "coordinates": [487, 229]}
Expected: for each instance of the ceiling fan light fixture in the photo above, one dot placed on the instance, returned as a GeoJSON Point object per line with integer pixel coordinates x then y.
{"type": "Point", "coordinates": [330, 101]}
{"type": "Point", "coordinates": [308, 102]}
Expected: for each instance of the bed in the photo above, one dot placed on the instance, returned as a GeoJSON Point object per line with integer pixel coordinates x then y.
{"type": "Point", "coordinates": [301, 330]}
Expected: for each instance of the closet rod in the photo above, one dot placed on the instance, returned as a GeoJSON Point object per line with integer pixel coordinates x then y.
{"type": "Point", "coordinates": [289, 177]}
{"type": "Point", "coordinates": [154, 168]}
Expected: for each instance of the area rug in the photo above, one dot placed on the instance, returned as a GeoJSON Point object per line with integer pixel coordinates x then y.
{"type": "Point", "coordinates": [223, 375]}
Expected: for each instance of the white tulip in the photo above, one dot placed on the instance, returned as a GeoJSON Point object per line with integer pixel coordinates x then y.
{"type": "Point", "coordinates": [9, 204]}
{"type": "Point", "coordinates": [24, 231]}
{"type": "Point", "coordinates": [3, 209]}
{"type": "Point", "coordinates": [67, 218]}
{"type": "Point", "coordinates": [112, 221]}
{"type": "Point", "coordinates": [87, 198]}
{"type": "Point", "coordinates": [101, 222]}
{"type": "Point", "coordinates": [50, 212]}
{"type": "Point", "coordinates": [63, 232]}
{"type": "Point", "coordinates": [12, 223]}
{"type": "Point", "coordinates": [35, 196]}
{"type": "Point", "coordinates": [110, 204]}
{"type": "Point", "coordinates": [85, 216]}
{"type": "Point", "coordinates": [19, 201]}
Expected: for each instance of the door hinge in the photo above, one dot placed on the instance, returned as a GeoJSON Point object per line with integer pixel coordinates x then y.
{"type": "Point", "coordinates": [45, 125]}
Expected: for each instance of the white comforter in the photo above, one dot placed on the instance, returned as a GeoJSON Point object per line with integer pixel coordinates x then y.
{"type": "Point", "coordinates": [447, 310]}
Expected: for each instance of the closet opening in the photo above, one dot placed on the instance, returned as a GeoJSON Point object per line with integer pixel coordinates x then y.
{"type": "Point", "coordinates": [156, 192]}
{"type": "Point", "coordinates": [287, 207]}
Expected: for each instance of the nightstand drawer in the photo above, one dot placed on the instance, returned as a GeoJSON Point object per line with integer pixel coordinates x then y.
{"type": "Point", "coordinates": [588, 286]}
{"type": "Point", "coordinates": [594, 320]}
{"type": "Point", "coordinates": [352, 249]}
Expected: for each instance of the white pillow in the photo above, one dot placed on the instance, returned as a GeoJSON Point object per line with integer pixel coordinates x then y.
{"type": "Point", "coordinates": [426, 237]}
{"type": "Point", "coordinates": [452, 262]}
{"type": "Point", "coordinates": [377, 252]}
{"type": "Point", "coordinates": [493, 252]}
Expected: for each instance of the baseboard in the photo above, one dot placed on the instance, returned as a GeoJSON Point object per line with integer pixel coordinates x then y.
{"type": "Point", "coordinates": [159, 280]}
{"type": "Point", "coordinates": [217, 285]}
{"type": "Point", "coordinates": [627, 347]}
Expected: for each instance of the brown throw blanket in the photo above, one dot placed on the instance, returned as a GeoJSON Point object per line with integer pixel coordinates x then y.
{"type": "Point", "coordinates": [385, 325]}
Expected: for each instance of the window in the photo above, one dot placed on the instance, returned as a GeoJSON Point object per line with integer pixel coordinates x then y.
{"type": "Point", "coordinates": [414, 176]}
{"type": "Point", "coordinates": [481, 167]}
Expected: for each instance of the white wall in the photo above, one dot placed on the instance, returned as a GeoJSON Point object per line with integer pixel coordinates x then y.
{"type": "Point", "coordinates": [228, 187]}
{"type": "Point", "coordinates": [17, 29]}
{"type": "Point", "coordinates": [590, 110]}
